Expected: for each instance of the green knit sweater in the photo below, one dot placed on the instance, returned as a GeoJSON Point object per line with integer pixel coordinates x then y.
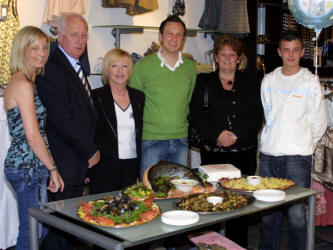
{"type": "Point", "coordinates": [168, 94]}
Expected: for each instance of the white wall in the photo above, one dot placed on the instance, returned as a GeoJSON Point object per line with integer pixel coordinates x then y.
{"type": "Point", "coordinates": [100, 39]}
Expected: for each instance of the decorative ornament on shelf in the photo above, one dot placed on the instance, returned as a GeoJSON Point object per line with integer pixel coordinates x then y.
{"type": "Point", "coordinates": [178, 8]}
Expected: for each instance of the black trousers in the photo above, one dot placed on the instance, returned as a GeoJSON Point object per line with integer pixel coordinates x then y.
{"type": "Point", "coordinates": [56, 239]}
{"type": "Point", "coordinates": [124, 174]}
{"type": "Point", "coordinates": [246, 161]}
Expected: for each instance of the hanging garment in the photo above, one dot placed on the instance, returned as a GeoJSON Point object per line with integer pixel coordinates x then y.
{"type": "Point", "coordinates": [8, 30]}
{"type": "Point", "coordinates": [133, 7]}
{"type": "Point", "coordinates": [288, 21]}
{"type": "Point", "coordinates": [54, 9]}
{"type": "Point", "coordinates": [178, 8]}
{"type": "Point", "coordinates": [234, 17]}
{"type": "Point", "coordinates": [323, 160]}
{"type": "Point", "coordinates": [209, 18]}
{"type": "Point", "coordinates": [308, 43]}
{"type": "Point", "coordinates": [226, 16]}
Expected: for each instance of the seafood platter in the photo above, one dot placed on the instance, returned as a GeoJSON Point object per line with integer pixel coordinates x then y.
{"type": "Point", "coordinates": [118, 211]}
{"type": "Point", "coordinates": [201, 202]}
{"type": "Point", "coordinates": [172, 180]}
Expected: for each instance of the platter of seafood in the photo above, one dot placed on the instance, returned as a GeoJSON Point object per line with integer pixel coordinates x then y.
{"type": "Point", "coordinates": [247, 185]}
{"type": "Point", "coordinates": [201, 203]}
{"type": "Point", "coordinates": [168, 180]}
{"type": "Point", "coordinates": [118, 211]}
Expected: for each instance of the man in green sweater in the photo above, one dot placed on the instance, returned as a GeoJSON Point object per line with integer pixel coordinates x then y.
{"type": "Point", "coordinates": [167, 79]}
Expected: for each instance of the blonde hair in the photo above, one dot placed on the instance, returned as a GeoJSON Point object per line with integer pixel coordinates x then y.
{"type": "Point", "coordinates": [23, 39]}
{"type": "Point", "coordinates": [112, 56]}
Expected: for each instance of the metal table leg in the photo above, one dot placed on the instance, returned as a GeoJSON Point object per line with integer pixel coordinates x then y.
{"type": "Point", "coordinates": [311, 223]}
{"type": "Point", "coordinates": [33, 224]}
{"type": "Point", "coordinates": [68, 227]}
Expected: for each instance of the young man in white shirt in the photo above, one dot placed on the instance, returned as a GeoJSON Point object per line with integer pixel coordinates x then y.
{"type": "Point", "coordinates": [295, 120]}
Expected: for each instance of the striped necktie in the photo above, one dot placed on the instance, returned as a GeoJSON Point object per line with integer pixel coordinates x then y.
{"type": "Point", "coordinates": [84, 80]}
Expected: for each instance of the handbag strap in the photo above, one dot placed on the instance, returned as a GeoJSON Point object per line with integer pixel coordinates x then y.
{"type": "Point", "coordinates": [206, 95]}
{"type": "Point", "coordinates": [107, 118]}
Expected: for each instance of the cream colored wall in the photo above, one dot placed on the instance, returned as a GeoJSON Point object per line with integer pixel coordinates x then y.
{"type": "Point", "coordinates": [100, 40]}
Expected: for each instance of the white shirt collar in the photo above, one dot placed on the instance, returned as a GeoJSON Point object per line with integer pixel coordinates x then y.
{"type": "Point", "coordinates": [72, 60]}
{"type": "Point", "coordinates": [163, 62]}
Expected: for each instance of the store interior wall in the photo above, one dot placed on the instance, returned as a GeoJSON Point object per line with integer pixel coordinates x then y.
{"type": "Point", "coordinates": [31, 12]}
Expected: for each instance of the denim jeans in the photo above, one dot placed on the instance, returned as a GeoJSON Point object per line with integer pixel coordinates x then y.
{"type": "Point", "coordinates": [298, 169]}
{"type": "Point", "coordinates": [175, 150]}
{"type": "Point", "coordinates": [30, 192]}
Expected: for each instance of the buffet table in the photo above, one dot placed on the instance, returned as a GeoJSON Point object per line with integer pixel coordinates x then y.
{"type": "Point", "coordinates": [62, 215]}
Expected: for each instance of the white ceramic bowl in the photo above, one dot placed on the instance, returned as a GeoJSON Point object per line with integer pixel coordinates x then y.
{"type": "Point", "coordinates": [214, 199]}
{"type": "Point", "coordinates": [185, 185]}
{"type": "Point", "coordinates": [254, 179]}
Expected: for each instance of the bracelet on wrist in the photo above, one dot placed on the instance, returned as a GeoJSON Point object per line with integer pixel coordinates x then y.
{"type": "Point", "coordinates": [53, 169]}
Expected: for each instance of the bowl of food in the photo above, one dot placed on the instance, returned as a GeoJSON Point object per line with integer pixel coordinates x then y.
{"type": "Point", "coordinates": [214, 199]}
{"type": "Point", "coordinates": [254, 180]}
{"type": "Point", "coordinates": [184, 185]}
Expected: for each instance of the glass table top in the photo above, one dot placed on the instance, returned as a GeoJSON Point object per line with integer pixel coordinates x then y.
{"type": "Point", "coordinates": [156, 228]}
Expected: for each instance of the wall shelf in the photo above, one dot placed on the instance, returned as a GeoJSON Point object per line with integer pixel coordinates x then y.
{"type": "Point", "coordinates": [118, 30]}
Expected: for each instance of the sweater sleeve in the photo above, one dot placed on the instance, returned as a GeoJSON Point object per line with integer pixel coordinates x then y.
{"type": "Point", "coordinates": [318, 114]}
{"type": "Point", "coordinates": [137, 76]}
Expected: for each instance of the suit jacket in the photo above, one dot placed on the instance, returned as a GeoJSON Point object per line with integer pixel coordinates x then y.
{"type": "Point", "coordinates": [106, 131]}
{"type": "Point", "coordinates": [71, 118]}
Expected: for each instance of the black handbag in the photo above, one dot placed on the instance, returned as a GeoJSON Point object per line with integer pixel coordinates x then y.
{"type": "Point", "coordinates": [194, 138]}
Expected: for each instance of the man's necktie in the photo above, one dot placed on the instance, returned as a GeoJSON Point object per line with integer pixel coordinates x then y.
{"type": "Point", "coordinates": [84, 80]}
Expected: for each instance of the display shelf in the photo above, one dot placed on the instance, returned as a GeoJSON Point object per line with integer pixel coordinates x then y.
{"type": "Point", "coordinates": [266, 3]}
{"type": "Point", "coordinates": [118, 30]}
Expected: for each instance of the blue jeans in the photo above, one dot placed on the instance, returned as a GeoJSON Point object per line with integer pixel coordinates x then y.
{"type": "Point", "coordinates": [297, 168]}
{"type": "Point", "coordinates": [175, 150]}
{"type": "Point", "coordinates": [30, 192]}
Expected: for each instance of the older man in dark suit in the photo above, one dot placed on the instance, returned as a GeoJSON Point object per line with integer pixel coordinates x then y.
{"type": "Point", "coordinates": [65, 92]}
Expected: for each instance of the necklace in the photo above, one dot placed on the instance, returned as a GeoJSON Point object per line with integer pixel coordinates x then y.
{"type": "Point", "coordinates": [227, 81]}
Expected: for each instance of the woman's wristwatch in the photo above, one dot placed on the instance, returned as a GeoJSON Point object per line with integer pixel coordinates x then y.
{"type": "Point", "coordinates": [53, 169]}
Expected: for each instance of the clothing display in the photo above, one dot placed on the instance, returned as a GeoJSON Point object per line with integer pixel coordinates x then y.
{"type": "Point", "coordinates": [326, 218]}
{"type": "Point", "coordinates": [8, 30]}
{"type": "Point", "coordinates": [54, 9]}
{"type": "Point", "coordinates": [178, 8]}
{"type": "Point", "coordinates": [302, 90]}
{"type": "Point", "coordinates": [308, 42]}
{"type": "Point", "coordinates": [323, 165]}
{"type": "Point", "coordinates": [226, 16]}
{"type": "Point", "coordinates": [163, 85]}
{"type": "Point", "coordinates": [288, 21]}
{"type": "Point", "coordinates": [133, 7]}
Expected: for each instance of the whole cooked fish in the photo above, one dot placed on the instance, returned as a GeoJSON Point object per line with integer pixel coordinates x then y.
{"type": "Point", "coordinates": [165, 171]}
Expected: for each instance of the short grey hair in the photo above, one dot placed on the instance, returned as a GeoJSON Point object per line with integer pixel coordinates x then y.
{"type": "Point", "coordinates": [63, 20]}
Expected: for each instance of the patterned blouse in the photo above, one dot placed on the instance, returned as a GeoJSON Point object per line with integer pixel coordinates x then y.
{"type": "Point", "coordinates": [19, 154]}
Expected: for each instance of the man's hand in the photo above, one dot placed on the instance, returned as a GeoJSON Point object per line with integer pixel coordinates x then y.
{"type": "Point", "coordinates": [94, 159]}
{"type": "Point", "coordinates": [226, 139]}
